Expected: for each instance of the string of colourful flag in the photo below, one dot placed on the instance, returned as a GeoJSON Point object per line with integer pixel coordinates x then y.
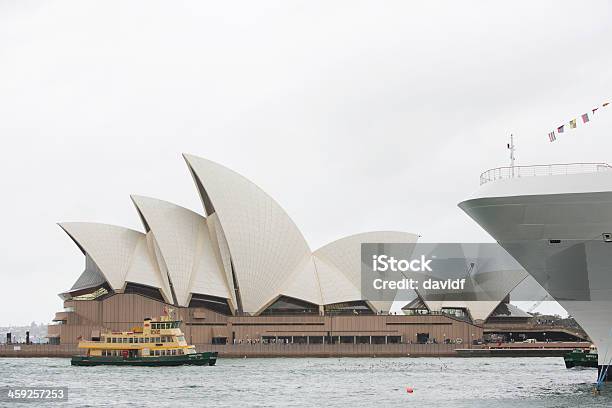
{"type": "Point", "coordinates": [552, 136]}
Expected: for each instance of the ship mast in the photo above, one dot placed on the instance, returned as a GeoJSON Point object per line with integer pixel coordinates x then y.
{"type": "Point", "coordinates": [512, 148]}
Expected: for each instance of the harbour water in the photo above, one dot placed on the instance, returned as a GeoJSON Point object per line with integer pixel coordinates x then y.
{"type": "Point", "coordinates": [330, 382]}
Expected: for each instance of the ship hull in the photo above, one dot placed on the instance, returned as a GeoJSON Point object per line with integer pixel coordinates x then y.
{"type": "Point", "coordinates": [200, 359]}
{"type": "Point", "coordinates": [555, 227]}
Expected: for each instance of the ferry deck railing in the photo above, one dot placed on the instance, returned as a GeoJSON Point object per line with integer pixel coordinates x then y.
{"type": "Point", "coordinates": [501, 173]}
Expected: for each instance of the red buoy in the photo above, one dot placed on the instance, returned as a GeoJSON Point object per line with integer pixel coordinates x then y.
{"type": "Point", "coordinates": [409, 390]}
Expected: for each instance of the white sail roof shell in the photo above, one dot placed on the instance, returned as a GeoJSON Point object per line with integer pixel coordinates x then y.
{"type": "Point", "coordinates": [185, 246]}
{"type": "Point", "coordinates": [120, 254]}
{"type": "Point", "coordinates": [221, 251]}
{"type": "Point", "coordinates": [109, 246]}
{"type": "Point", "coordinates": [303, 283]}
{"type": "Point", "coordinates": [339, 265]}
{"type": "Point", "coordinates": [145, 271]}
{"type": "Point", "coordinates": [266, 247]}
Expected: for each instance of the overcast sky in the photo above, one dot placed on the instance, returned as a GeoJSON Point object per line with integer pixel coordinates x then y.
{"type": "Point", "coordinates": [353, 115]}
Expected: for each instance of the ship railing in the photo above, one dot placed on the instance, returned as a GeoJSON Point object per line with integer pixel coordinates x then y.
{"type": "Point", "coordinates": [501, 173]}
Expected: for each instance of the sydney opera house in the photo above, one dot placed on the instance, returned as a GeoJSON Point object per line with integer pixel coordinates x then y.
{"type": "Point", "coordinates": [240, 272]}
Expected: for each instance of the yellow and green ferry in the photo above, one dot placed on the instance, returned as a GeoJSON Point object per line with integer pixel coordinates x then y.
{"type": "Point", "coordinates": [159, 342]}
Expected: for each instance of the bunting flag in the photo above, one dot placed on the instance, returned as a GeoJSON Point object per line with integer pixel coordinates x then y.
{"type": "Point", "coordinates": [573, 123]}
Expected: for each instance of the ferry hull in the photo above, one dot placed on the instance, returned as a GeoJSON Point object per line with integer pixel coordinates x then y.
{"type": "Point", "coordinates": [200, 359]}
{"type": "Point", "coordinates": [579, 358]}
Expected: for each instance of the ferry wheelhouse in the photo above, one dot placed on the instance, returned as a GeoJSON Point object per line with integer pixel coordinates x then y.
{"type": "Point", "coordinates": [159, 342]}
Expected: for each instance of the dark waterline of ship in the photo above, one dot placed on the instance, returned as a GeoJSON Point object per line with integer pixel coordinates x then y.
{"type": "Point", "coordinates": [331, 382]}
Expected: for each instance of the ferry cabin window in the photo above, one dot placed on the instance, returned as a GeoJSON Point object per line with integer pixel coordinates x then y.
{"type": "Point", "coordinates": [174, 352]}
{"type": "Point", "coordinates": [180, 338]}
{"type": "Point", "coordinates": [180, 352]}
{"type": "Point", "coordinates": [114, 339]}
{"type": "Point", "coordinates": [108, 339]}
{"type": "Point", "coordinates": [146, 340]}
{"type": "Point", "coordinates": [158, 340]}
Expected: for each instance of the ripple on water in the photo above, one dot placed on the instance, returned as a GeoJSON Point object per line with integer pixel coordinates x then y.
{"type": "Point", "coordinates": [332, 382]}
